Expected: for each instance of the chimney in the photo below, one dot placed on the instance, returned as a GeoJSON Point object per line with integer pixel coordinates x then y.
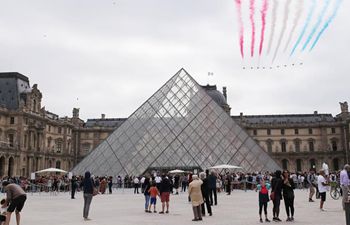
{"type": "Point", "coordinates": [103, 116]}
{"type": "Point", "coordinates": [241, 115]}
{"type": "Point", "coordinates": [224, 92]}
{"type": "Point", "coordinates": [315, 112]}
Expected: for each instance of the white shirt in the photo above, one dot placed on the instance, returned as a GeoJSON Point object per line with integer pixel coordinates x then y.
{"type": "Point", "coordinates": [158, 179]}
{"type": "Point", "coordinates": [321, 187]}
{"type": "Point", "coordinates": [143, 180]}
{"type": "Point", "coordinates": [136, 180]}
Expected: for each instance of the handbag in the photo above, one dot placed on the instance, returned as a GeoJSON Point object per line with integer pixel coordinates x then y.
{"type": "Point", "coordinates": [272, 196]}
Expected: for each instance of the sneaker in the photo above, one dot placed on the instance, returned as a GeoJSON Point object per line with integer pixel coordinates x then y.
{"type": "Point", "coordinates": [292, 218]}
{"type": "Point", "coordinates": [278, 219]}
{"type": "Point", "coordinates": [87, 219]}
{"type": "Point", "coordinates": [274, 219]}
{"type": "Point", "coordinates": [323, 210]}
{"type": "Point", "coordinates": [310, 200]}
{"type": "Point", "coordinates": [155, 211]}
{"type": "Point", "coordinates": [161, 212]}
{"type": "Point", "coordinates": [288, 219]}
{"type": "Point", "coordinates": [167, 211]}
{"type": "Point", "coordinates": [267, 220]}
{"type": "Point", "coordinates": [261, 220]}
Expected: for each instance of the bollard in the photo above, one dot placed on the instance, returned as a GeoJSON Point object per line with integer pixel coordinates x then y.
{"type": "Point", "coordinates": [347, 212]}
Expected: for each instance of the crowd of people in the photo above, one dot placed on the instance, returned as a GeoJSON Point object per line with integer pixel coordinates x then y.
{"type": "Point", "coordinates": [202, 189]}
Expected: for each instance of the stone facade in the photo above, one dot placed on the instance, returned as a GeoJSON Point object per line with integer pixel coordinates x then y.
{"type": "Point", "coordinates": [32, 138]}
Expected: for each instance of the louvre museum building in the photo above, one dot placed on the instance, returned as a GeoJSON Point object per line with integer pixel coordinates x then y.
{"type": "Point", "coordinates": [183, 125]}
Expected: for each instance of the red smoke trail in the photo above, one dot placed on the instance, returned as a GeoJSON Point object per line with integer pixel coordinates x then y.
{"type": "Point", "coordinates": [252, 12]}
{"type": "Point", "coordinates": [263, 18]}
{"type": "Point", "coordinates": [241, 28]}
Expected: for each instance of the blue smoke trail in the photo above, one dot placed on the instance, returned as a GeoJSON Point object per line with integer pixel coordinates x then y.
{"type": "Point", "coordinates": [318, 23]}
{"type": "Point", "coordinates": [308, 19]}
{"type": "Point", "coordinates": [325, 26]}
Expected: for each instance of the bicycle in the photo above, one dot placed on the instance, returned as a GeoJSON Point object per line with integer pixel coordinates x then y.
{"type": "Point", "coordinates": [335, 190]}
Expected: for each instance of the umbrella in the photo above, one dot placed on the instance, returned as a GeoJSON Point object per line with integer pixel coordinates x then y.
{"type": "Point", "coordinates": [51, 170]}
{"type": "Point", "coordinates": [225, 166]}
{"type": "Point", "coordinates": [176, 171]}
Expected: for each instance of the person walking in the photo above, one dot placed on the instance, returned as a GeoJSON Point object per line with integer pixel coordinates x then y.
{"type": "Point", "coordinates": [165, 187]}
{"type": "Point", "coordinates": [322, 188]}
{"type": "Point", "coordinates": [288, 194]}
{"type": "Point", "coordinates": [195, 193]}
{"type": "Point", "coordinates": [212, 188]}
{"type": "Point", "coordinates": [311, 179]}
{"type": "Point", "coordinates": [228, 183]}
{"type": "Point", "coordinates": [276, 195]}
{"type": "Point", "coordinates": [110, 184]}
{"type": "Point", "coordinates": [88, 186]}
{"type": "Point", "coordinates": [73, 187]}
{"type": "Point", "coordinates": [15, 198]}
{"type": "Point", "coordinates": [345, 183]}
{"type": "Point", "coordinates": [205, 194]}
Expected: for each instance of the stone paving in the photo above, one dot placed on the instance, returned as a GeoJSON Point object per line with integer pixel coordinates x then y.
{"type": "Point", "coordinates": [123, 207]}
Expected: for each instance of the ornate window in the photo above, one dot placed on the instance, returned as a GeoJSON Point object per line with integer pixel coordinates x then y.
{"type": "Point", "coordinates": [269, 143]}
{"type": "Point", "coordinates": [283, 145]}
{"type": "Point", "coordinates": [334, 144]}
{"type": "Point", "coordinates": [297, 143]}
{"type": "Point", "coordinates": [311, 145]}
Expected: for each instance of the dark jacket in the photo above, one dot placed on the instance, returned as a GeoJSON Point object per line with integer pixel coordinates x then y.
{"type": "Point", "coordinates": [87, 183]}
{"type": "Point", "coordinates": [276, 186]}
{"type": "Point", "coordinates": [212, 181]}
{"type": "Point", "coordinates": [165, 185]}
{"type": "Point", "coordinates": [147, 185]}
{"type": "Point", "coordinates": [288, 191]}
{"type": "Point", "coordinates": [205, 187]}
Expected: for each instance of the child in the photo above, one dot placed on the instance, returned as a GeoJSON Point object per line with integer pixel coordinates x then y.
{"type": "Point", "coordinates": [153, 191]}
{"type": "Point", "coordinates": [3, 210]}
{"type": "Point", "coordinates": [263, 189]}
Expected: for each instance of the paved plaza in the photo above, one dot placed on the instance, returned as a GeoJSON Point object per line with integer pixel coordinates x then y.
{"type": "Point", "coordinates": [123, 207]}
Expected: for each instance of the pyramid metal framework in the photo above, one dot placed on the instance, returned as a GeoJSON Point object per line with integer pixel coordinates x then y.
{"type": "Point", "coordinates": [180, 126]}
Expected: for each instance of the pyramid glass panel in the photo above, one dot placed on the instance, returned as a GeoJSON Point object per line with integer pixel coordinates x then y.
{"type": "Point", "coordinates": [180, 126]}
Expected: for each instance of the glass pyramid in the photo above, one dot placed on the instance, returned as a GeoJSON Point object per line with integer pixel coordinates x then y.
{"type": "Point", "coordinates": [180, 126]}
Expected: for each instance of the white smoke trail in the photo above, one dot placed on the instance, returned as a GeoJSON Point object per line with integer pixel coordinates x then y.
{"type": "Point", "coordinates": [284, 27]}
{"type": "Point", "coordinates": [273, 24]}
{"type": "Point", "coordinates": [299, 11]}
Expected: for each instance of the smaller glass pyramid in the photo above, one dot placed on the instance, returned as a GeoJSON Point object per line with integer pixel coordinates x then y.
{"type": "Point", "coordinates": [180, 126]}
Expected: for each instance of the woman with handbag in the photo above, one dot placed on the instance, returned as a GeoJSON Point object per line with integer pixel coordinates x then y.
{"type": "Point", "coordinates": [90, 190]}
{"type": "Point", "coordinates": [276, 195]}
{"type": "Point", "coordinates": [288, 195]}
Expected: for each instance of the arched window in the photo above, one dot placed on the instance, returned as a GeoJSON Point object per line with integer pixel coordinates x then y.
{"type": "Point", "coordinates": [312, 164]}
{"type": "Point", "coordinates": [334, 144]}
{"type": "Point", "coordinates": [10, 168]}
{"type": "Point", "coordinates": [336, 164]}
{"type": "Point", "coordinates": [34, 105]}
{"type": "Point", "coordinates": [2, 166]}
{"type": "Point", "coordinates": [285, 164]}
{"type": "Point", "coordinates": [298, 167]}
{"type": "Point", "coordinates": [58, 164]}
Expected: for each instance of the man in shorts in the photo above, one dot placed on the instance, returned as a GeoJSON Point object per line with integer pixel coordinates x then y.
{"type": "Point", "coordinates": [15, 197]}
{"type": "Point", "coordinates": [165, 187]}
{"type": "Point", "coordinates": [322, 188]}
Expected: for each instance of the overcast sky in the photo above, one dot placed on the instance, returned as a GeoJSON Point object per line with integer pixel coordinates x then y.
{"type": "Point", "coordinates": [110, 56]}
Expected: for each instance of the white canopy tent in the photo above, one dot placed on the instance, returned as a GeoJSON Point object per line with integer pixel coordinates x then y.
{"type": "Point", "coordinates": [176, 171]}
{"type": "Point", "coordinates": [51, 170]}
{"type": "Point", "coordinates": [225, 166]}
